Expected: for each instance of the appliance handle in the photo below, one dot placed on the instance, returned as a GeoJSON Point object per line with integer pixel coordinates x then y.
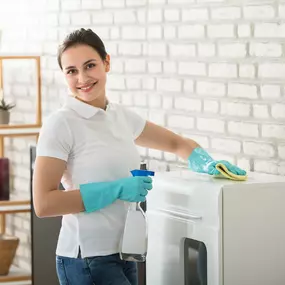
{"type": "Point", "coordinates": [180, 215]}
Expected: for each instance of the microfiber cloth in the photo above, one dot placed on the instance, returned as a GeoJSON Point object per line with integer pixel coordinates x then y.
{"type": "Point", "coordinates": [225, 173]}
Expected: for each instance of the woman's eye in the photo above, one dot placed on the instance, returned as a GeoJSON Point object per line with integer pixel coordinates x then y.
{"type": "Point", "coordinates": [90, 65]}
{"type": "Point", "coordinates": [71, 71]}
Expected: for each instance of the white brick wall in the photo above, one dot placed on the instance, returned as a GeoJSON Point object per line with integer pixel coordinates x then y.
{"type": "Point", "coordinates": [231, 146]}
{"type": "Point", "coordinates": [212, 70]}
{"type": "Point", "coordinates": [227, 13]}
{"type": "Point", "coordinates": [222, 70]}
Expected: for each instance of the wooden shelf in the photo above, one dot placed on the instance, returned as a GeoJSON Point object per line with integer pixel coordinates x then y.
{"type": "Point", "coordinates": [19, 56]}
{"type": "Point", "coordinates": [28, 282]}
{"type": "Point", "coordinates": [15, 209]}
{"type": "Point", "coordinates": [16, 274]}
{"type": "Point", "coordinates": [12, 207]}
{"type": "Point", "coordinates": [38, 111]}
{"type": "Point", "coordinates": [15, 202]}
{"type": "Point", "coordinates": [19, 130]}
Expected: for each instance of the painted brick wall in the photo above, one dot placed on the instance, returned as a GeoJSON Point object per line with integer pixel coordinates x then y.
{"type": "Point", "coordinates": [218, 68]}
{"type": "Point", "coordinates": [212, 70]}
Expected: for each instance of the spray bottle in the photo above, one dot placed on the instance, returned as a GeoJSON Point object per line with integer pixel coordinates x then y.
{"type": "Point", "coordinates": [134, 238]}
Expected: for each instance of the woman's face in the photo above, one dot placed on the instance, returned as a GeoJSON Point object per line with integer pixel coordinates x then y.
{"type": "Point", "coordinates": [85, 73]}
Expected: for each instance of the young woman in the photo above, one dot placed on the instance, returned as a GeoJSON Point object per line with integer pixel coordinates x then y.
{"type": "Point", "coordinates": [89, 145]}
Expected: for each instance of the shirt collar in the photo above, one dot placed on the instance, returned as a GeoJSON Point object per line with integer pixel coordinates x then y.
{"type": "Point", "coordinates": [82, 109]}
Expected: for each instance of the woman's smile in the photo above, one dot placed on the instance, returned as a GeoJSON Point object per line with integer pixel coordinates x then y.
{"type": "Point", "coordinates": [87, 88]}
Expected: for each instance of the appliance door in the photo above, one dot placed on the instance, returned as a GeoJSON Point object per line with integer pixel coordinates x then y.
{"type": "Point", "coordinates": [173, 258]}
{"type": "Point", "coordinates": [195, 262]}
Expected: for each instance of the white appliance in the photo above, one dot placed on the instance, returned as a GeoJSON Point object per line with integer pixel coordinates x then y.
{"type": "Point", "coordinates": [207, 231]}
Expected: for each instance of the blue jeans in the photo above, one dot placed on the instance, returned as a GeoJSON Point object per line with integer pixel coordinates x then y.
{"type": "Point", "coordinates": [98, 270]}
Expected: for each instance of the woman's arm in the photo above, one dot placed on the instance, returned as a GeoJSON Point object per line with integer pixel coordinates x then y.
{"type": "Point", "coordinates": [48, 200]}
{"type": "Point", "coordinates": [154, 136]}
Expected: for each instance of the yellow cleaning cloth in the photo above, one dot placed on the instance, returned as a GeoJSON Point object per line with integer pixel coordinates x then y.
{"type": "Point", "coordinates": [225, 173]}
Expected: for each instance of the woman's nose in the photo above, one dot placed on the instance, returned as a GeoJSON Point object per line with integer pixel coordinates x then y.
{"type": "Point", "coordinates": [82, 77]}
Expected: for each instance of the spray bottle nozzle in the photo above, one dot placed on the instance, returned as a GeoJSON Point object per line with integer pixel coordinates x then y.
{"type": "Point", "coordinates": [139, 172]}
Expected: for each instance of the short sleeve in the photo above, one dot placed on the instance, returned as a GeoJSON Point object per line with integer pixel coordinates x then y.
{"type": "Point", "coordinates": [135, 122]}
{"type": "Point", "coordinates": [55, 139]}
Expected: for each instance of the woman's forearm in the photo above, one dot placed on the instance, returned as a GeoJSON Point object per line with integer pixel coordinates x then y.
{"type": "Point", "coordinates": [157, 137]}
{"type": "Point", "coordinates": [58, 203]}
{"type": "Point", "coordinates": [185, 147]}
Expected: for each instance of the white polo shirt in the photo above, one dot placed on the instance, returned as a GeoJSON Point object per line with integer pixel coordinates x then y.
{"type": "Point", "coordinates": [98, 146]}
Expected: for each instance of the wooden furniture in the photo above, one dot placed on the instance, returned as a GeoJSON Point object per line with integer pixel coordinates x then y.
{"type": "Point", "coordinates": [13, 207]}
{"type": "Point", "coordinates": [16, 275]}
{"type": "Point", "coordinates": [22, 129]}
{"type": "Point", "coordinates": [17, 283]}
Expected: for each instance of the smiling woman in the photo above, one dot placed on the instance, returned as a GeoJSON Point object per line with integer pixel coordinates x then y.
{"type": "Point", "coordinates": [85, 62]}
{"type": "Point", "coordinates": [89, 145]}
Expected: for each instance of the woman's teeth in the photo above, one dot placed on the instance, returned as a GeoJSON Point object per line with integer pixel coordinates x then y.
{"type": "Point", "coordinates": [87, 87]}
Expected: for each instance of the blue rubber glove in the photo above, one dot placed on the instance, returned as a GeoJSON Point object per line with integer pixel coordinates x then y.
{"type": "Point", "coordinates": [200, 161]}
{"type": "Point", "coordinates": [98, 195]}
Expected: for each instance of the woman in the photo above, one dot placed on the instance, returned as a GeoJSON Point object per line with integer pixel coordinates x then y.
{"type": "Point", "coordinates": [90, 146]}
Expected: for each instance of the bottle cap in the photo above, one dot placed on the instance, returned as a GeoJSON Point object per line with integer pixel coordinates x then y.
{"type": "Point", "coordinates": [139, 172]}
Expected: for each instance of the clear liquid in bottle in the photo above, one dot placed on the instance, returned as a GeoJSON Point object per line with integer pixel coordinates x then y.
{"type": "Point", "coordinates": [135, 237]}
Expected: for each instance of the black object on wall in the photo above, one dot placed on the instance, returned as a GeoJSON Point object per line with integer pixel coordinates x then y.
{"type": "Point", "coordinates": [4, 179]}
{"type": "Point", "coordinates": [44, 235]}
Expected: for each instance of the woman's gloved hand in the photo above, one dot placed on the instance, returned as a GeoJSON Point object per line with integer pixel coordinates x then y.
{"type": "Point", "coordinates": [98, 195]}
{"type": "Point", "coordinates": [200, 161]}
{"type": "Point", "coordinates": [134, 189]}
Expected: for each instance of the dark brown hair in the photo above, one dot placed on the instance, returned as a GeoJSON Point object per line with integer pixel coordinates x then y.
{"type": "Point", "coordinates": [84, 37]}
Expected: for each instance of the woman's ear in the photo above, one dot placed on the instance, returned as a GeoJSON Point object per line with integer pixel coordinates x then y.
{"type": "Point", "coordinates": [107, 63]}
